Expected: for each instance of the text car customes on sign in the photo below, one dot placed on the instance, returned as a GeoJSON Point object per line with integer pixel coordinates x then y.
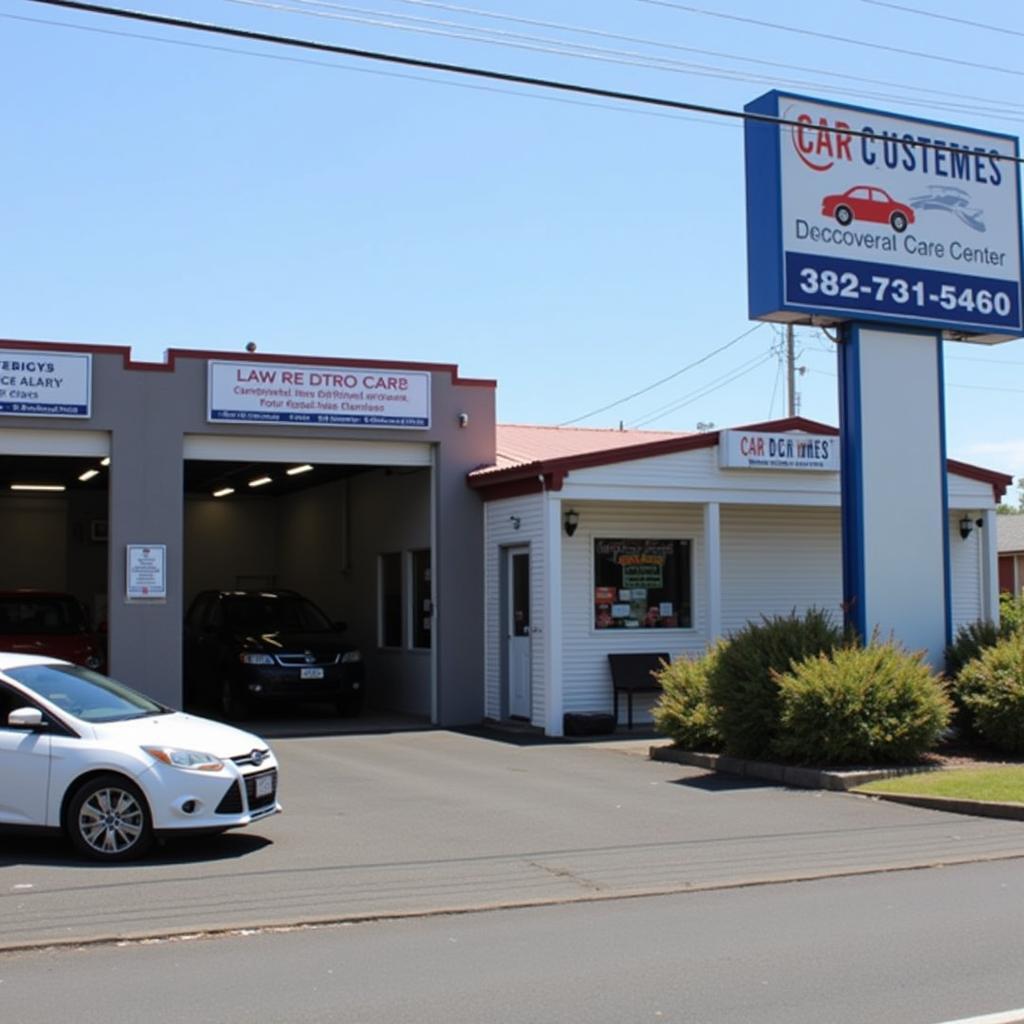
{"type": "Point", "coordinates": [861, 215]}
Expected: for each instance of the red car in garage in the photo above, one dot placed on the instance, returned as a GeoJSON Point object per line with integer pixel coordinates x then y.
{"type": "Point", "coordinates": [49, 623]}
{"type": "Point", "coordinates": [866, 202]}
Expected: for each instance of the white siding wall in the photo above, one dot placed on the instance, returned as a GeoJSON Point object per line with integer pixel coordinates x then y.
{"type": "Point", "coordinates": [965, 557]}
{"type": "Point", "coordinates": [500, 533]}
{"type": "Point", "coordinates": [778, 559]}
{"type": "Point", "coordinates": [586, 679]}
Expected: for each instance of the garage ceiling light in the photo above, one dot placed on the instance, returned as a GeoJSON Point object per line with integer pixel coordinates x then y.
{"type": "Point", "coordinates": [296, 470]}
{"type": "Point", "coordinates": [224, 492]}
{"type": "Point", "coordinates": [37, 487]}
{"type": "Point", "coordinates": [260, 481]}
{"type": "Point", "coordinates": [105, 462]}
{"type": "Point", "coordinates": [88, 475]}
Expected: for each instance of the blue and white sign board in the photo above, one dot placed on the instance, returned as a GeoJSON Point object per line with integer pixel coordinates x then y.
{"type": "Point", "coordinates": [317, 396]}
{"type": "Point", "coordinates": [856, 214]}
{"type": "Point", "coordinates": [35, 383]}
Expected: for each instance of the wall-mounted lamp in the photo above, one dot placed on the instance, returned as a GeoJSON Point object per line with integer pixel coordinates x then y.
{"type": "Point", "coordinates": [463, 419]}
{"type": "Point", "coordinates": [515, 521]}
{"type": "Point", "coordinates": [572, 520]}
{"type": "Point", "coordinates": [967, 524]}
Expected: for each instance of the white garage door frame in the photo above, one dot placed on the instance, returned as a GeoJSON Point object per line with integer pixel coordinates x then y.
{"type": "Point", "coordinates": [86, 443]}
{"type": "Point", "coordinates": [221, 448]}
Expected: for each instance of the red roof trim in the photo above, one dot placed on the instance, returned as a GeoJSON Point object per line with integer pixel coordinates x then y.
{"type": "Point", "coordinates": [174, 354]}
{"type": "Point", "coordinates": [515, 481]}
{"type": "Point", "coordinates": [999, 481]}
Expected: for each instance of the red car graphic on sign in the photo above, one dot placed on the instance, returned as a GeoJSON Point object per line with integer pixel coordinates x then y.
{"type": "Point", "coordinates": [863, 202]}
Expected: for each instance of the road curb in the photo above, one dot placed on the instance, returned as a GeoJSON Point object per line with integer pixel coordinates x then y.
{"type": "Point", "coordinates": [837, 781]}
{"type": "Point", "coordinates": [786, 775]}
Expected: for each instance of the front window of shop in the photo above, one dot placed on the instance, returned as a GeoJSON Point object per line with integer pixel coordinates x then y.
{"type": "Point", "coordinates": [642, 584]}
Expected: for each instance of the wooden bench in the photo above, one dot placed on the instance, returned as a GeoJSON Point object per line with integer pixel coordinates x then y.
{"type": "Point", "coordinates": [632, 673]}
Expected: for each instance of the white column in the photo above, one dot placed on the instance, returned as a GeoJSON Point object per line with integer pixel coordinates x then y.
{"type": "Point", "coordinates": [552, 616]}
{"type": "Point", "coordinates": [713, 569]}
{"type": "Point", "coordinates": [989, 567]}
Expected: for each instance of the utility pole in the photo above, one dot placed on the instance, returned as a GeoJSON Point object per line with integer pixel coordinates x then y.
{"type": "Point", "coordinates": [790, 372]}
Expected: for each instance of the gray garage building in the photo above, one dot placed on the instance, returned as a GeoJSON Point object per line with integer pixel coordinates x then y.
{"type": "Point", "coordinates": [342, 479]}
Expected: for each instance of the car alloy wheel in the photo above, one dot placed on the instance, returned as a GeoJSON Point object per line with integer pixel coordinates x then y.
{"type": "Point", "coordinates": [108, 819]}
{"type": "Point", "coordinates": [844, 215]}
{"type": "Point", "coordinates": [898, 221]}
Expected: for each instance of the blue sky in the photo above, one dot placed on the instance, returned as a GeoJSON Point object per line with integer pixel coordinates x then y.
{"type": "Point", "coordinates": [170, 190]}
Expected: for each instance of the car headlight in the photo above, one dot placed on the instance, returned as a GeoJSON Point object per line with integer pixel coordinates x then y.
{"type": "Point", "coordinates": [256, 659]}
{"type": "Point", "coordinates": [194, 759]}
{"type": "Point", "coordinates": [349, 656]}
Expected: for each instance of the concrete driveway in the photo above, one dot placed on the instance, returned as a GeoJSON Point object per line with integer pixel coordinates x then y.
{"type": "Point", "coordinates": [428, 821]}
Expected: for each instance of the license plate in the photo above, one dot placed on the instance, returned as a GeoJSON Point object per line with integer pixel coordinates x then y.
{"type": "Point", "coordinates": [311, 673]}
{"type": "Point", "coordinates": [264, 785]}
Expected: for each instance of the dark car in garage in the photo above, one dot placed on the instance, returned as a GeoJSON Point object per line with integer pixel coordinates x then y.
{"type": "Point", "coordinates": [245, 648]}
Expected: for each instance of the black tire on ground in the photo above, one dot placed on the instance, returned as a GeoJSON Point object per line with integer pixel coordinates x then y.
{"type": "Point", "coordinates": [108, 819]}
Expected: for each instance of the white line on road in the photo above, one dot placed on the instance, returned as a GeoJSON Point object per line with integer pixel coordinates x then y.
{"type": "Point", "coordinates": [1007, 1017]}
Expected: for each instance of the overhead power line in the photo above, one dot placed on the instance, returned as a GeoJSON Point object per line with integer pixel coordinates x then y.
{"type": "Point", "coordinates": [664, 380]}
{"type": "Point", "coordinates": [688, 9]}
{"type": "Point", "coordinates": [467, 70]}
{"type": "Point", "coordinates": [316, 7]}
{"type": "Point", "coordinates": [1001, 29]}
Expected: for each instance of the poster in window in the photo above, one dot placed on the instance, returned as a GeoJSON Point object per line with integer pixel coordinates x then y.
{"type": "Point", "coordinates": [651, 579]}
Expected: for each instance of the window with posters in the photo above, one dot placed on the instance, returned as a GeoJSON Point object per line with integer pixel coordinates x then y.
{"type": "Point", "coordinates": [642, 584]}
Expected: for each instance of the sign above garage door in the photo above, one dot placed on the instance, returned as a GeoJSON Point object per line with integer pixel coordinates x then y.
{"type": "Point", "coordinates": [44, 384]}
{"type": "Point", "coordinates": [333, 396]}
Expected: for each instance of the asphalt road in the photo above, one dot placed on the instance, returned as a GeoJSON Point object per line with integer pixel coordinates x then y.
{"type": "Point", "coordinates": [913, 947]}
{"type": "Point", "coordinates": [434, 821]}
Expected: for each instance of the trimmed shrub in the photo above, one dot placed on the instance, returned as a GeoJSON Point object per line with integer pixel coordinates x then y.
{"type": "Point", "coordinates": [992, 689]}
{"type": "Point", "coordinates": [741, 684]}
{"type": "Point", "coordinates": [969, 642]}
{"type": "Point", "coordinates": [683, 711]}
{"type": "Point", "coordinates": [860, 705]}
{"type": "Point", "coordinates": [1011, 614]}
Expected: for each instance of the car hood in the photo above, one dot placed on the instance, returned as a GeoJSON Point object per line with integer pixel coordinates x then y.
{"type": "Point", "coordinates": [287, 642]}
{"type": "Point", "coordinates": [190, 732]}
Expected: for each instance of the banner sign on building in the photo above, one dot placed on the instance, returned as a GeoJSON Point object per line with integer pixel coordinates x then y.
{"type": "Point", "coordinates": [36, 383]}
{"type": "Point", "coordinates": [748, 449]}
{"type": "Point", "coordinates": [856, 214]}
{"type": "Point", "coordinates": [331, 396]}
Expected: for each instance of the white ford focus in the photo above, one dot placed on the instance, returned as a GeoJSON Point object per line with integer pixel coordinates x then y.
{"type": "Point", "coordinates": [111, 768]}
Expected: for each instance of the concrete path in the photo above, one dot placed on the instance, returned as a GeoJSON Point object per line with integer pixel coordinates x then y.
{"type": "Point", "coordinates": [432, 821]}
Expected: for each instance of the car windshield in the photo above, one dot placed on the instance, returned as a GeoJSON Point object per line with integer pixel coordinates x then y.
{"type": "Point", "coordinates": [85, 694]}
{"type": "Point", "coordinates": [273, 613]}
{"type": "Point", "coordinates": [30, 613]}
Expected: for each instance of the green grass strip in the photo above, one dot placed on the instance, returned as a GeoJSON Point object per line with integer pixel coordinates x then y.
{"type": "Point", "coordinates": [1002, 784]}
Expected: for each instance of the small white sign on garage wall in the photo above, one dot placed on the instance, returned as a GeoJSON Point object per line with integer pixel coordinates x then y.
{"type": "Point", "coordinates": [146, 572]}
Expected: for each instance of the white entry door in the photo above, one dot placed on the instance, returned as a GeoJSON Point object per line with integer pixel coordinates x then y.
{"type": "Point", "coordinates": [518, 632]}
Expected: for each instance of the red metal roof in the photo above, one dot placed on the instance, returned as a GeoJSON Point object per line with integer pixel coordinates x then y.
{"type": "Point", "coordinates": [526, 454]}
{"type": "Point", "coordinates": [520, 445]}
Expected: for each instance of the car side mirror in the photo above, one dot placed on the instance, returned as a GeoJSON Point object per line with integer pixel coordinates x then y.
{"type": "Point", "coordinates": [26, 718]}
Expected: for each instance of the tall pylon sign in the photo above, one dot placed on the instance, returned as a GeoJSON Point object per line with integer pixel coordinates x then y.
{"type": "Point", "coordinates": [899, 233]}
